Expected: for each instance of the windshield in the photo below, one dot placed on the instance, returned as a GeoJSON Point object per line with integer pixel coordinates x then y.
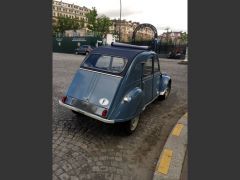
{"type": "Point", "coordinates": [106, 63]}
{"type": "Point", "coordinates": [84, 46]}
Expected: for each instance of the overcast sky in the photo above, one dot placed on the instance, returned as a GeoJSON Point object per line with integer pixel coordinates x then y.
{"type": "Point", "coordinates": [160, 13]}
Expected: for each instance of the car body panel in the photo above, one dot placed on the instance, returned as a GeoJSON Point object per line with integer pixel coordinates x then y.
{"type": "Point", "coordinates": [165, 80]}
{"type": "Point", "coordinates": [147, 88]}
{"type": "Point", "coordinates": [91, 86]}
{"type": "Point", "coordinates": [156, 84]}
{"type": "Point", "coordinates": [124, 95]}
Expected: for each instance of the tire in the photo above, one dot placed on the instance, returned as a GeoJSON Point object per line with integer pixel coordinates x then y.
{"type": "Point", "coordinates": [75, 112]}
{"type": "Point", "coordinates": [86, 53]}
{"type": "Point", "coordinates": [131, 125]}
{"type": "Point", "coordinates": [166, 94]}
{"type": "Point", "coordinates": [76, 53]}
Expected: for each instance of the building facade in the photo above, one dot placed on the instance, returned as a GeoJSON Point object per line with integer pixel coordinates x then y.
{"type": "Point", "coordinates": [60, 8]}
{"type": "Point", "coordinates": [127, 28]}
{"type": "Point", "coordinates": [72, 11]}
{"type": "Point", "coordinates": [174, 37]}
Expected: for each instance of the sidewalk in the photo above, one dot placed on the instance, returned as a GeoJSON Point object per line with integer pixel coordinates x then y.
{"type": "Point", "coordinates": [172, 163]}
{"type": "Point", "coordinates": [184, 173]}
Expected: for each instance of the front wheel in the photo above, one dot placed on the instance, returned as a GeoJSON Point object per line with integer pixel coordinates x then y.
{"type": "Point", "coordinates": [131, 125]}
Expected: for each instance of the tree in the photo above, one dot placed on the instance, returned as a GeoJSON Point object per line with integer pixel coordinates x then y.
{"type": "Point", "coordinates": [184, 38]}
{"type": "Point", "coordinates": [65, 23]}
{"type": "Point", "coordinates": [82, 23]}
{"type": "Point", "coordinates": [98, 25]}
{"type": "Point", "coordinates": [54, 27]}
{"type": "Point", "coordinates": [75, 24]}
{"type": "Point", "coordinates": [102, 25]}
{"type": "Point", "coordinates": [91, 19]}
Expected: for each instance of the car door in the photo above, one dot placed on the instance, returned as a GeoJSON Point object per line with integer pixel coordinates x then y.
{"type": "Point", "coordinates": [147, 79]}
{"type": "Point", "coordinates": [156, 76]}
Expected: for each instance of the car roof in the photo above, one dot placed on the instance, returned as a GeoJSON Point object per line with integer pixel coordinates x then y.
{"type": "Point", "coordinates": [121, 50]}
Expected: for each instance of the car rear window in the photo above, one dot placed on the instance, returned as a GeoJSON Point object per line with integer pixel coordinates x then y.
{"type": "Point", "coordinates": [105, 63]}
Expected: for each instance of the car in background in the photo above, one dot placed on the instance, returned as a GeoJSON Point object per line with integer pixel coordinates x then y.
{"type": "Point", "coordinates": [84, 49]}
{"type": "Point", "coordinates": [116, 83]}
{"type": "Point", "coordinates": [176, 54]}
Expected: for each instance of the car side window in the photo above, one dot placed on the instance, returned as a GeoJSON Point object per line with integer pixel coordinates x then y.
{"type": "Point", "coordinates": [118, 64]}
{"type": "Point", "coordinates": [106, 63]}
{"type": "Point", "coordinates": [156, 64]}
{"type": "Point", "coordinates": [103, 62]}
{"type": "Point", "coordinates": [147, 69]}
{"type": "Point", "coordinates": [136, 73]}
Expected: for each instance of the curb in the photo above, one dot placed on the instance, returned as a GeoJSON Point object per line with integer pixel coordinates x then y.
{"type": "Point", "coordinates": [185, 62]}
{"type": "Point", "coordinates": [169, 60]}
{"type": "Point", "coordinates": [171, 160]}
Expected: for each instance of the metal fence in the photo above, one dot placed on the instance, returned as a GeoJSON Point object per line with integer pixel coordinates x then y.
{"type": "Point", "coordinates": [163, 48]}
{"type": "Point", "coordinates": [69, 44]}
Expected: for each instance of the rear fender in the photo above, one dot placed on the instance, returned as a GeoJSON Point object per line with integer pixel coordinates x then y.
{"type": "Point", "coordinates": [127, 110]}
{"type": "Point", "coordinates": [165, 81]}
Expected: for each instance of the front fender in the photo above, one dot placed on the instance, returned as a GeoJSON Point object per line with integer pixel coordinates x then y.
{"type": "Point", "coordinates": [127, 110]}
{"type": "Point", "coordinates": [165, 81]}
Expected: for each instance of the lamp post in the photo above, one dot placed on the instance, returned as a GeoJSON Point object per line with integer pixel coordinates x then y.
{"type": "Point", "coordinates": [120, 21]}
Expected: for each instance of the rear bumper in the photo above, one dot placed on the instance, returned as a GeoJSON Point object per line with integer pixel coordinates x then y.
{"type": "Point", "coordinates": [86, 113]}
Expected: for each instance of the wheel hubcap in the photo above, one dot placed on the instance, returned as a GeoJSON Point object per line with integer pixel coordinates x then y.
{"type": "Point", "coordinates": [167, 92]}
{"type": "Point", "coordinates": [134, 123]}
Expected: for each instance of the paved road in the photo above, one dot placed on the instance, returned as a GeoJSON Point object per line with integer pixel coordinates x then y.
{"type": "Point", "coordinates": [84, 148]}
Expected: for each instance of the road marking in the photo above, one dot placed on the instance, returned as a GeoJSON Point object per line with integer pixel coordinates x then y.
{"type": "Point", "coordinates": [177, 129]}
{"type": "Point", "coordinates": [165, 161]}
{"type": "Point", "coordinates": [185, 115]}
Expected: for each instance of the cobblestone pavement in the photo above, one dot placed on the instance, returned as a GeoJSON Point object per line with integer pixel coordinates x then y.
{"type": "Point", "coordinates": [84, 148]}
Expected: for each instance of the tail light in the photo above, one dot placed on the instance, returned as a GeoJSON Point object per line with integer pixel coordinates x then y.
{"type": "Point", "coordinates": [64, 98]}
{"type": "Point", "coordinates": [104, 113]}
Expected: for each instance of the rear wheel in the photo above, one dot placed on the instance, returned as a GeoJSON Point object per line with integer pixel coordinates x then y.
{"type": "Point", "coordinates": [131, 125]}
{"type": "Point", "coordinates": [166, 94]}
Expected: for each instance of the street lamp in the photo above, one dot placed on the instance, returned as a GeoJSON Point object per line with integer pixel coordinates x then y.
{"type": "Point", "coordinates": [120, 21]}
